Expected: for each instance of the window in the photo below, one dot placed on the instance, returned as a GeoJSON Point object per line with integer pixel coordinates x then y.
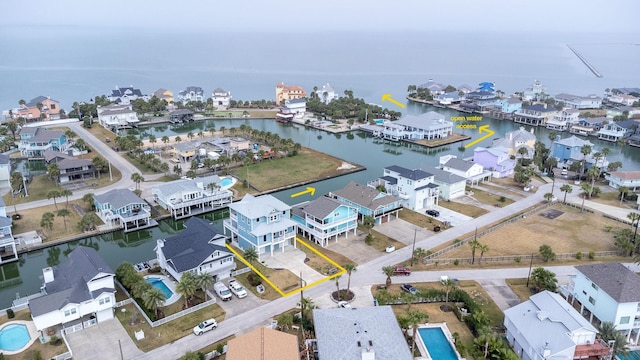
{"type": "Point", "coordinates": [625, 320]}
{"type": "Point", "coordinates": [593, 285]}
{"type": "Point", "coordinates": [584, 292]}
{"type": "Point", "coordinates": [70, 312]}
{"type": "Point", "coordinates": [592, 300]}
{"type": "Point", "coordinates": [273, 217]}
{"type": "Point", "coordinates": [104, 301]}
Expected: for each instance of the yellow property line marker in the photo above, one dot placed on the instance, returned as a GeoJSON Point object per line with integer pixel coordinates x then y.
{"type": "Point", "coordinates": [309, 190]}
{"type": "Point", "coordinates": [387, 97]}
{"type": "Point", "coordinates": [339, 273]}
{"type": "Point", "coordinates": [481, 129]}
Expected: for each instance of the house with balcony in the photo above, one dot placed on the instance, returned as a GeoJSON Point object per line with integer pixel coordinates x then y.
{"type": "Point", "coordinates": [622, 110]}
{"type": "Point", "coordinates": [8, 251]}
{"type": "Point", "coordinates": [5, 170]}
{"type": "Point", "coordinates": [517, 139]}
{"type": "Point", "coordinates": [191, 93]}
{"type": "Point", "coordinates": [435, 88]}
{"type": "Point", "coordinates": [615, 131]}
{"type": "Point", "coordinates": [452, 97]}
{"type": "Point", "coordinates": [34, 141]}
{"type": "Point", "coordinates": [471, 171]}
{"type": "Point", "coordinates": [296, 107]}
{"type": "Point", "coordinates": [41, 108]}
{"type": "Point", "coordinates": [325, 219]}
{"type": "Point", "coordinates": [284, 93]}
{"type": "Point", "coordinates": [123, 208]}
{"type": "Point", "coordinates": [480, 100]}
{"type": "Point", "coordinates": [198, 249]}
{"type": "Point", "coordinates": [450, 186]}
{"type": "Point", "coordinates": [547, 327]}
{"type": "Point", "coordinates": [71, 168]}
{"type": "Point", "coordinates": [184, 151]}
{"type": "Point", "coordinates": [369, 201]}
{"type": "Point", "coordinates": [580, 102]}
{"type": "Point", "coordinates": [77, 294]}
{"type": "Point", "coordinates": [164, 94]}
{"type": "Point", "coordinates": [221, 98]}
{"type": "Point", "coordinates": [126, 95]}
{"type": "Point", "coordinates": [495, 159]}
{"type": "Point", "coordinates": [563, 119]}
{"type": "Point", "coordinates": [608, 292]}
{"type": "Point", "coordinates": [188, 197]}
{"type": "Point", "coordinates": [534, 115]}
{"type": "Point", "coordinates": [428, 126]}
{"type": "Point", "coordinates": [629, 179]}
{"type": "Point", "coordinates": [534, 92]}
{"type": "Point", "coordinates": [622, 99]}
{"type": "Point", "coordinates": [117, 116]}
{"type": "Point", "coordinates": [262, 223]}
{"type": "Point", "coordinates": [415, 187]}
{"type": "Point", "coordinates": [326, 93]}
{"type": "Point", "coordinates": [509, 105]}
{"type": "Point", "coordinates": [567, 148]}
{"type": "Point", "coordinates": [588, 126]}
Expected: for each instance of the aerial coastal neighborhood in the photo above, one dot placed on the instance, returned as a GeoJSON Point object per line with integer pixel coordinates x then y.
{"type": "Point", "coordinates": [250, 245]}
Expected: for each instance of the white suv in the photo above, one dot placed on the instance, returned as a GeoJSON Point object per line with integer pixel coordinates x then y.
{"type": "Point", "coordinates": [237, 289]}
{"type": "Point", "coordinates": [205, 326]}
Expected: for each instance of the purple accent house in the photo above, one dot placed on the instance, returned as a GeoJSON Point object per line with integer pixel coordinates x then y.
{"type": "Point", "coordinates": [495, 159]}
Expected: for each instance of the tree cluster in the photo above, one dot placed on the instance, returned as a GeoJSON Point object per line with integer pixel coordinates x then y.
{"type": "Point", "coordinates": [348, 107]}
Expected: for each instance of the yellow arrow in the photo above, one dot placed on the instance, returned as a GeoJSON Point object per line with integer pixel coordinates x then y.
{"type": "Point", "coordinates": [309, 190]}
{"type": "Point", "coordinates": [387, 97]}
{"type": "Point", "coordinates": [481, 129]}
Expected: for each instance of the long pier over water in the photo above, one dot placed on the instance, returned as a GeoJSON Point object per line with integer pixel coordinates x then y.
{"type": "Point", "coordinates": [586, 63]}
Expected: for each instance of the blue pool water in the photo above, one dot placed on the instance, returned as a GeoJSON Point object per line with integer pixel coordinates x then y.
{"type": "Point", "coordinates": [437, 344]}
{"type": "Point", "coordinates": [226, 182]}
{"type": "Point", "coordinates": [633, 355]}
{"type": "Point", "coordinates": [13, 337]}
{"type": "Point", "coordinates": [159, 284]}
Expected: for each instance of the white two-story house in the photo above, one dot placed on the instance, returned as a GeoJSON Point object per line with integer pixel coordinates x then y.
{"type": "Point", "coordinates": [188, 197]}
{"type": "Point", "coordinates": [471, 171]}
{"type": "Point", "coordinates": [117, 116]}
{"type": "Point", "coordinates": [263, 223]}
{"type": "Point", "coordinates": [121, 207]}
{"type": "Point", "coordinates": [76, 294]}
{"type": "Point", "coordinates": [427, 126]}
{"type": "Point", "coordinates": [416, 187]}
{"type": "Point", "coordinates": [324, 219]}
{"type": "Point", "coordinates": [221, 98]}
{"type": "Point", "coordinates": [610, 292]}
{"type": "Point", "coordinates": [8, 250]}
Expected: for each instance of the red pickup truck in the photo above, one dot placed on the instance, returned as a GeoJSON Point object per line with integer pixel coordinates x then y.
{"type": "Point", "coordinates": [401, 270]}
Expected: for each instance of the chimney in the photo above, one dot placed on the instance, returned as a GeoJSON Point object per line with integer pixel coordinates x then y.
{"type": "Point", "coordinates": [546, 351]}
{"type": "Point", "coordinates": [368, 354]}
{"type": "Point", "coordinates": [160, 243]}
{"type": "Point", "coordinates": [48, 275]}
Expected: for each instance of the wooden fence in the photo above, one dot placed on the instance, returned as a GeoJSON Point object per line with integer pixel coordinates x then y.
{"type": "Point", "coordinates": [516, 258]}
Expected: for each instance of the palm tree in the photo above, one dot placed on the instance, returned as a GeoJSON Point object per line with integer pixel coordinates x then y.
{"type": "Point", "coordinates": [566, 189]}
{"type": "Point", "coordinates": [622, 190]}
{"type": "Point", "coordinates": [64, 213]}
{"type": "Point", "coordinates": [306, 304]}
{"type": "Point", "coordinates": [251, 255]}
{"type": "Point", "coordinates": [186, 287]}
{"type": "Point", "coordinates": [54, 171]}
{"type": "Point", "coordinates": [474, 244]}
{"type": "Point", "coordinates": [349, 267]}
{"type": "Point", "coordinates": [140, 287]}
{"type": "Point", "coordinates": [338, 286]}
{"type": "Point", "coordinates": [153, 140]}
{"type": "Point", "coordinates": [137, 178]}
{"type": "Point", "coordinates": [47, 220]}
{"type": "Point", "coordinates": [88, 198]}
{"type": "Point", "coordinates": [635, 218]}
{"type": "Point", "coordinates": [449, 285]}
{"type": "Point", "coordinates": [66, 193]}
{"type": "Point", "coordinates": [285, 321]}
{"type": "Point", "coordinates": [178, 139]}
{"type": "Point", "coordinates": [212, 130]}
{"type": "Point", "coordinates": [153, 298]}
{"type": "Point", "coordinates": [607, 331]}
{"type": "Point", "coordinates": [415, 318]}
{"type": "Point", "coordinates": [53, 194]}
{"type": "Point", "coordinates": [388, 270]}
{"type": "Point", "coordinates": [203, 281]}
{"type": "Point", "coordinates": [190, 135]}
{"type": "Point", "coordinates": [484, 337]}
{"type": "Point", "coordinates": [585, 150]}
{"type": "Point", "coordinates": [483, 249]}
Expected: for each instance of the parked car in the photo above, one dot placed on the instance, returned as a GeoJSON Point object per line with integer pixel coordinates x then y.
{"type": "Point", "coordinates": [528, 187]}
{"type": "Point", "coordinates": [222, 291]}
{"type": "Point", "coordinates": [344, 304]}
{"type": "Point", "coordinates": [237, 289]}
{"type": "Point", "coordinates": [205, 326]}
{"type": "Point", "coordinates": [401, 270]}
{"type": "Point", "coordinates": [564, 172]}
{"type": "Point", "coordinates": [434, 213]}
{"type": "Point", "coordinates": [409, 288]}
{"type": "Point", "coordinates": [390, 248]}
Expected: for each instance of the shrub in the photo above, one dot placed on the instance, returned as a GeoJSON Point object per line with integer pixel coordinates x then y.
{"type": "Point", "coordinates": [368, 240]}
{"type": "Point", "coordinates": [10, 314]}
{"type": "Point", "coordinates": [456, 262]}
{"type": "Point", "coordinates": [579, 255]}
{"type": "Point", "coordinates": [518, 259]}
{"type": "Point", "coordinates": [220, 348]}
{"type": "Point", "coordinates": [456, 241]}
{"type": "Point", "coordinates": [592, 255]}
{"type": "Point", "coordinates": [36, 355]}
{"type": "Point", "coordinates": [254, 280]}
{"type": "Point", "coordinates": [547, 253]}
{"type": "Point", "coordinates": [502, 199]}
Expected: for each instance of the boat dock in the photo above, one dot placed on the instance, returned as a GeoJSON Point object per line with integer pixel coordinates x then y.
{"type": "Point", "coordinates": [585, 62]}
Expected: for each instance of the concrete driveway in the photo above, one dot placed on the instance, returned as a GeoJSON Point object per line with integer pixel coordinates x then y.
{"type": "Point", "coordinates": [103, 341]}
{"type": "Point", "coordinates": [354, 248]}
{"type": "Point", "coordinates": [500, 293]}
{"type": "Point", "coordinates": [237, 306]}
{"type": "Point", "coordinates": [403, 231]}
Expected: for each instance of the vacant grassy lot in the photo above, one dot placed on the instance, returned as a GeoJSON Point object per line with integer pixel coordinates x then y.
{"type": "Point", "coordinates": [102, 134]}
{"type": "Point", "coordinates": [380, 241]}
{"type": "Point", "coordinates": [419, 219]}
{"type": "Point", "coordinates": [273, 174]}
{"type": "Point", "coordinates": [490, 199]}
{"type": "Point", "coordinates": [463, 209]}
{"type": "Point", "coordinates": [319, 264]}
{"type": "Point", "coordinates": [519, 286]}
{"type": "Point", "coordinates": [284, 279]}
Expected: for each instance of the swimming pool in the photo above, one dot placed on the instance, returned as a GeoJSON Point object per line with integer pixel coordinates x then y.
{"type": "Point", "coordinates": [633, 355]}
{"type": "Point", "coordinates": [13, 337]}
{"type": "Point", "coordinates": [158, 283]}
{"type": "Point", "coordinates": [227, 182]}
{"type": "Point", "coordinates": [437, 344]}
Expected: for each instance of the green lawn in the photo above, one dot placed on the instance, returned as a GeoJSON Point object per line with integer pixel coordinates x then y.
{"type": "Point", "coordinates": [464, 209]}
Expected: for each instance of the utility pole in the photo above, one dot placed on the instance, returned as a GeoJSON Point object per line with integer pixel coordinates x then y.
{"type": "Point", "coordinates": [530, 266]}
{"type": "Point", "coordinates": [413, 250]}
{"type": "Point", "coordinates": [110, 174]}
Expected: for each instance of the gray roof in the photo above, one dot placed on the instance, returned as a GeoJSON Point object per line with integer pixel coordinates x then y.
{"type": "Point", "coordinates": [622, 284]}
{"type": "Point", "coordinates": [74, 163]}
{"type": "Point", "coordinates": [319, 208]}
{"type": "Point", "coordinates": [565, 96]}
{"type": "Point", "coordinates": [540, 108]}
{"type": "Point", "coordinates": [70, 281]}
{"type": "Point", "coordinates": [4, 159]}
{"type": "Point", "coordinates": [255, 207]}
{"type": "Point", "coordinates": [365, 196]}
{"type": "Point", "coordinates": [573, 141]}
{"type": "Point", "coordinates": [446, 177]}
{"type": "Point", "coordinates": [34, 102]}
{"type": "Point", "coordinates": [28, 130]}
{"type": "Point", "coordinates": [121, 92]}
{"type": "Point", "coordinates": [296, 101]}
{"type": "Point", "coordinates": [343, 334]}
{"type": "Point", "coordinates": [415, 174]}
{"type": "Point", "coordinates": [429, 185]}
{"type": "Point", "coordinates": [118, 198]}
{"type": "Point", "coordinates": [56, 156]}
{"type": "Point", "coordinates": [459, 164]}
{"type": "Point", "coordinates": [44, 135]}
{"type": "Point", "coordinates": [424, 121]}
{"type": "Point", "coordinates": [390, 179]}
{"type": "Point", "coordinates": [194, 245]}
{"type": "Point", "coordinates": [186, 146]}
{"type": "Point", "coordinates": [181, 185]}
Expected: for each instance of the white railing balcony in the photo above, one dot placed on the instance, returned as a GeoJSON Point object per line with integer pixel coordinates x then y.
{"type": "Point", "coordinates": [226, 195]}
{"type": "Point", "coordinates": [6, 240]}
{"type": "Point", "coordinates": [133, 216]}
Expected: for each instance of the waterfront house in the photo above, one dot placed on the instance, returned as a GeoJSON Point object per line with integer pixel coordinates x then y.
{"type": "Point", "coordinates": [588, 126]}
{"type": "Point", "coordinates": [184, 151]}
{"type": "Point", "coordinates": [117, 116]}
{"type": "Point", "coordinates": [265, 344]}
{"type": "Point", "coordinates": [630, 179]}
{"type": "Point", "coordinates": [567, 148]}
{"type": "Point", "coordinates": [221, 98]}
{"type": "Point", "coordinates": [464, 88]}
{"type": "Point", "coordinates": [627, 91]}
{"type": "Point", "coordinates": [362, 333]}
{"type": "Point", "coordinates": [547, 327]}
{"type": "Point", "coordinates": [449, 98]}
{"type": "Point", "coordinates": [450, 186]}
{"type": "Point", "coordinates": [297, 107]}
{"type": "Point", "coordinates": [180, 116]}
{"type": "Point", "coordinates": [608, 292]}
{"type": "Point", "coordinates": [633, 140]}
{"type": "Point", "coordinates": [123, 208]}
{"type": "Point", "coordinates": [164, 94]}
{"type": "Point", "coordinates": [191, 93]}
{"type": "Point", "coordinates": [481, 100]}
{"type": "Point", "coordinates": [187, 197]}
{"type": "Point", "coordinates": [509, 105]}
{"type": "Point", "coordinates": [71, 168]}
{"type": "Point", "coordinates": [126, 95]}
{"type": "Point", "coordinates": [622, 111]}
{"type": "Point", "coordinates": [39, 109]}
{"type": "Point", "coordinates": [8, 251]}
{"type": "Point", "coordinates": [517, 139]}
{"type": "Point", "coordinates": [326, 93]}
{"type": "Point", "coordinates": [434, 88]}
{"type": "Point", "coordinates": [415, 187]}
{"type": "Point", "coordinates": [5, 170]}
{"type": "Point", "coordinates": [579, 102]}
{"type": "Point", "coordinates": [199, 248]}
{"type": "Point", "coordinates": [324, 219]}
{"type": "Point", "coordinates": [615, 131]}
{"type": "Point", "coordinates": [292, 92]}
{"type": "Point", "coordinates": [378, 204]}
{"type": "Point", "coordinates": [262, 223]}
{"type": "Point", "coordinates": [563, 119]}
{"type": "Point", "coordinates": [495, 159]}
{"type": "Point", "coordinates": [472, 172]}
{"type": "Point", "coordinates": [534, 115]}
{"type": "Point", "coordinates": [428, 126]}
{"type": "Point", "coordinates": [534, 92]}
{"type": "Point", "coordinates": [622, 99]}
{"type": "Point", "coordinates": [78, 293]}
{"type": "Point", "coordinates": [34, 141]}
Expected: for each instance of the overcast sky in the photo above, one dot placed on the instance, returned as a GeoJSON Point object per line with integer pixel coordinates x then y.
{"type": "Point", "coordinates": [369, 15]}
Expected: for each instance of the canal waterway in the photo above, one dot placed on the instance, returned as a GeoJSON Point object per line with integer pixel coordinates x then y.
{"type": "Point", "coordinates": [23, 277]}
